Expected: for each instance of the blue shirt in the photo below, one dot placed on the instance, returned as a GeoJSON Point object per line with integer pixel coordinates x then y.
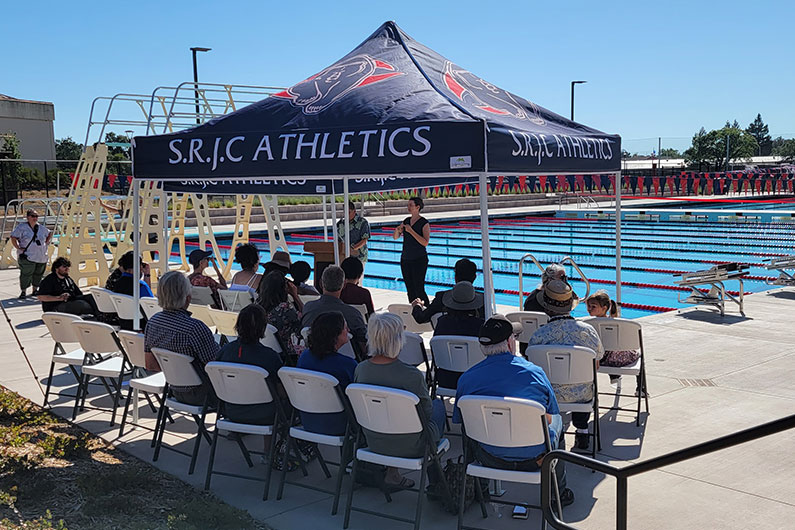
{"type": "Point", "coordinates": [125, 284]}
{"type": "Point", "coordinates": [506, 375]}
{"type": "Point", "coordinates": [340, 367]}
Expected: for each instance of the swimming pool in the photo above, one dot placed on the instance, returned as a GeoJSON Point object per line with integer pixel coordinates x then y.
{"type": "Point", "coordinates": [652, 254]}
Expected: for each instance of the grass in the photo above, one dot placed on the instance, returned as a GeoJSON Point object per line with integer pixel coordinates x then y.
{"type": "Point", "coordinates": [55, 475]}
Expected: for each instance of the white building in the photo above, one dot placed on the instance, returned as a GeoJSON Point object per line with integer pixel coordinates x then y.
{"type": "Point", "coordinates": [32, 123]}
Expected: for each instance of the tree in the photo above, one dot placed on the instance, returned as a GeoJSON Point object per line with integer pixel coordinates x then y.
{"type": "Point", "coordinates": [668, 152]}
{"type": "Point", "coordinates": [784, 148]}
{"type": "Point", "coordinates": [699, 148]}
{"type": "Point", "coordinates": [117, 152]}
{"type": "Point", "coordinates": [711, 146]}
{"type": "Point", "coordinates": [759, 130]}
{"type": "Point", "coordinates": [68, 149]}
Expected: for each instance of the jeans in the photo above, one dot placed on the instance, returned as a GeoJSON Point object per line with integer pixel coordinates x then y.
{"type": "Point", "coordinates": [438, 415]}
{"type": "Point", "coordinates": [414, 277]}
{"type": "Point", "coordinates": [82, 305]}
{"type": "Point", "coordinates": [30, 272]}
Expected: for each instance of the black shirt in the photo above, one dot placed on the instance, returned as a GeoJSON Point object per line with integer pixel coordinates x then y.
{"type": "Point", "coordinates": [257, 355]}
{"type": "Point", "coordinates": [531, 302]}
{"type": "Point", "coordinates": [53, 285]}
{"type": "Point", "coordinates": [411, 247]}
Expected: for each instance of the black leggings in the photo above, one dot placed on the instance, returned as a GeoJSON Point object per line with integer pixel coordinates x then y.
{"type": "Point", "coordinates": [414, 277]}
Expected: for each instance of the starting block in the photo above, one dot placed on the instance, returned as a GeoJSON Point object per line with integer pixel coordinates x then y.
{"type": "Point", "coordinates": [714, 277]}
{"type": "Point", "coordinates": [781, 264]}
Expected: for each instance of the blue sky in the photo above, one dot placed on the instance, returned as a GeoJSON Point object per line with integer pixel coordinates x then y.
{"type": "Point", "coordinates": [653, 68]}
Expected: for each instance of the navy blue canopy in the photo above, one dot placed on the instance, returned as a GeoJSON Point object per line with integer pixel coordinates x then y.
{"type": "Point", "coordinates": [391, 109]}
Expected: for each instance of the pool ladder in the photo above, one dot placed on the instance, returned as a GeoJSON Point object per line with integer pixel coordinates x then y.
{"type": "Point", "coordinates": [564, 261]}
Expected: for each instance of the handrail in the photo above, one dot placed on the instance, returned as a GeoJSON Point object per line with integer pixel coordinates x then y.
{"type": "Point", "coordinates": [622, 474]}
{"type": "Point", "coordinates": [582, 275]}
{"type": "Point", "coordinates": [521, 272]}
{"type": "Point", "coordinates": [567, 259]}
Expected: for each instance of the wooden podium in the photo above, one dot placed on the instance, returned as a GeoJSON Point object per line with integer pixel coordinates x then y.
{"type": "Point", "coordinates": [323, 251]}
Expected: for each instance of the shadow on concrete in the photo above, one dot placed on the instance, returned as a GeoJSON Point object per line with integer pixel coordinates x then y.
{"type": "Point", "coordinates": [12, 303]}
{"type": "Point", "coordinates": [713, 317]}
{"type": "Point", "coordinates": [30, 325]}
{"type": "Point", "coordinates": [786, 295]}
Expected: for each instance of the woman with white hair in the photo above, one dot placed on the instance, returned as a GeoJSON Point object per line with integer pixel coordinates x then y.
{"type": "Point", "coordinates": [385, 340]}
{"type": "Point", "coordinates": [555, 271]}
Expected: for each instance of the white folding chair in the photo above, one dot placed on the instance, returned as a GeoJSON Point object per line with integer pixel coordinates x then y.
{"type": "Point", "coordinates": [150, 306]}
{"type": "Point", "coordinates": [502, 422]}
{"type": "Point", "coordinates": [415, 354]}
{"type": "Point", "coordinates": [362, 309]}
{"type": "Point", "coordinates": [102, 299]}
{"type": "Point", "coordinates": [567, 365]}
{"type": "Point", "coordinates": [140, 382]}
{"type": "Point", "coordinates": [125, 306]}
{"type": "Point", "coordinates": [62, 332]}
{"type": "Point", "coordinates": [235, 300]}
{"type": "Point", "coordinates": [202, 313]}
{"type": "Point", "coordinates": [435, 318]}
{"type": "Point", "coordinates": [271, 339]}
{"type": "Point", "coordinates": [305, 298]}
{"type": "Point", "coordinates": [241, 384]}
{"type": "Point", "coordinates": [454, 354]}
{"type": "Point", "coordinates": [201, 295]}
{"type": "Point", "coordinates": [409, 324]}
{"type": "Point", "coordinates": [100, 339]}
{"type": "Point", "coordinates": [530, 321]}
{"type": "Point", "coordinates": [225, 324]}
{"type": "Point", "coordinates": [391, 411]}
{"type": "Point", "coordinates": [316, 393]}
{"type": "Point", "coordinates": [621, 334]}
{"type": "Point", "coordinates": [179, 371]}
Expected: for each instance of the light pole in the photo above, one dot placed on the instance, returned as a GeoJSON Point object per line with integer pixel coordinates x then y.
{"type": "Point", "coordinates": [572, 96]}
{"type": "Point", "coordinates": [196, 79]}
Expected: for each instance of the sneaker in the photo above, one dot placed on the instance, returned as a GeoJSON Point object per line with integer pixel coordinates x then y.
{"type": "Point", "coordinates": [35, 291]}
{"type": "Point", "coordinates": [581, 440]}
{"type": "Point", "coordinates": [566, 497]}
{"type": "Point", "coordinates": [22, 295]}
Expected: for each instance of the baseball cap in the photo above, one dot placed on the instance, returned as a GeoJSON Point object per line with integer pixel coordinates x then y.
{"type": "Point", "coordinates": [497, 329]}
{"type": "Point", "coordinates": [195, 257]}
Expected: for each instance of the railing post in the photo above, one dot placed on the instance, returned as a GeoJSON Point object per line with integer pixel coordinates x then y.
{"type": "Point", "coordinates": [621, 503]}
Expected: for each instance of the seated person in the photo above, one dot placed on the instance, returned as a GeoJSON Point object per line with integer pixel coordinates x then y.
{"type": "Point", "coordinates": [555, 271]}
{"type": "Point", "coordinates": [600, 305]}
{"type": "Point", "coordinates": [247, 255]}
{"type": "Point", "coordinates": [273, 298]}
{"type": "Point", "coordinates": [465, 271]}
{"type": "Point", "coordinates": [173, 329]}
{"type": "Point", "coordinates": [558, 300]}
{"type": "Point", "coordinates": [58, 292]}
{"type": "Point", "coordinates": [503, 374]}
{"type": "Point", "coordinates": [326, 336]}
{"type": "Point", "coordinates": [200, 260]}
{"type": "Point", "coordinates": [462, 304]}
{"type": "Point", "coordinates": [333, 279]}
{"type": "Point", "coordinates": [300, 271]}
{"type": "Point", "coordinates": [247, 349]}
{"type": "Point", "coordinates": [385, 332]}
{"type": "Point", "coordinates": [352, 293]}
{"type": "Point", "coordinates": [124, 285]}
{"type": "Point", "coordinates": [280, 261]}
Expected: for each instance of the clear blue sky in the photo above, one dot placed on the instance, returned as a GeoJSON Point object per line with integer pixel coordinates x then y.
{"type": "Point", "coordinates": [653, 68]}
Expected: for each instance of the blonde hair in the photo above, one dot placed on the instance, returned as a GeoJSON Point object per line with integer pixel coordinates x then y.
{"type": "Point", "coordinates": [384, 335]}
{"type": "Point", "coordinates": [603, 299]}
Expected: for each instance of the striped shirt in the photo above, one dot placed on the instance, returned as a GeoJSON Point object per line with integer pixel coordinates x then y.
{"type": "Point", "coordinates": [178, 332]}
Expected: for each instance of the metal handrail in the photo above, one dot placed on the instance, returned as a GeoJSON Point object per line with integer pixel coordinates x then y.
{"type": "Point", "coordinates": [571, 261]}
{"type": "Point", "coordinates": [567, 259]}
{"type": "Point", "coordinates": [623, 473]}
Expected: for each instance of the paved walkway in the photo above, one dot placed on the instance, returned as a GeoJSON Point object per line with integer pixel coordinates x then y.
{"type": "Point", "coordinates": [708, 376]}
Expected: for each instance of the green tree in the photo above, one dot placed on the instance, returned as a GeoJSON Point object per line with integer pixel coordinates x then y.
{"type": "Point", "coordinates": [668, 152]}
{"type": "Point", "coordinates": [699, 149]}
{"type": "Point", "coordinates": [710, 147]}
{"type": "Point", "coordinates": [117, 152]}
{"type": "Point", "coordinates": [784, 148]}
{"type": "Point", "coordinates": [759, 130]}
{"type": "Point", "coordinates": [68, 149]}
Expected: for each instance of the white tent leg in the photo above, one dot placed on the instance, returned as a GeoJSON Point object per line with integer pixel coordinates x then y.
{"type": "Point", "coordinates": [334, 226]}
{"type": "Point", "coordinates": [488, 286]}
{"type": "Point", "coordinates": [136, 251]}
{"type": "Point", "coordinates": [345, 212]}
{"type": "Point", "coordinates": [618, 242]}
{"type": "Point", "coordinates": [325, 220]}
{"type": "Point", "coordinates": [166, 251]}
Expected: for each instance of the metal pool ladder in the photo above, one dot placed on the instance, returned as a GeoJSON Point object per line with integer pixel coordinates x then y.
{"type": "Point", "coordinates": [567, 259]}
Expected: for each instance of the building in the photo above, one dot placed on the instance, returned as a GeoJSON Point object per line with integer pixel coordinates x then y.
{"type": "Point", "coordinates": [32, 123]}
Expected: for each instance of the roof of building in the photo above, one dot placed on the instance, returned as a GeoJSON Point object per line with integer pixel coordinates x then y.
{"type": "Point", "coordinates": [4, 97]}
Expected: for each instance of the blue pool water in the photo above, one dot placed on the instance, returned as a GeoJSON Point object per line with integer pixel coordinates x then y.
{"type": "Point", "coordinates": [652, 252]}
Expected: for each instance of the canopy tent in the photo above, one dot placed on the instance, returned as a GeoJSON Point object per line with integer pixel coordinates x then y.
{"type": "Point", "coordinates": [390, 109]}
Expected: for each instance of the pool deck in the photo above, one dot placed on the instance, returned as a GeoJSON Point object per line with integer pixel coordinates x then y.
{"type": "Point", "coordinates": [708, 376]}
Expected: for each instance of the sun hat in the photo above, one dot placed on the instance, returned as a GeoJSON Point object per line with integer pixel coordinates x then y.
{"type": "Point", "coordinates": [281, 259]}
{"type": "Point", "coordinates": [497, 329]}
{"type": "Point", "coordinates": [462, 297]}
{"type": "Point", "coordinates": [195, 257]}
{"type": "Point", "coordinates": [557, 297]}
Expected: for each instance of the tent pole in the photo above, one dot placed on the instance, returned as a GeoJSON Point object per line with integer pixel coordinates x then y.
{"type": "Point", "coordinates": [166, 251]}
{"type": "Point", "coordinates": [334, 225]}
{"type": "Point", "coordinates": [488, 287]}
{"type": "Point", "coordinates": [136, 251]}
{"type": "Point", "coordinates": [345, 211]}
{"type": "Point", "coordinates": [325, 220]}
{"type": "Point", "coordinates": [618, 242]}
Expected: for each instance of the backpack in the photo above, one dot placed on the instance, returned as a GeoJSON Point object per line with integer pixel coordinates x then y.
{"type": "Point", "coordinates": [453, 471]}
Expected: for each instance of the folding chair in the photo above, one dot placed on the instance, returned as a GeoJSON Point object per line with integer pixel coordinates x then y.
{"type": "Point", "coordinates": [140, 382]}
{"type": "Point", "coordinates": [241, 384]}
{"type": "Point", "coordinates": [306, 298]}
{"type": "Point", "coordinates": [501, 422]}
{"type": "Point", "coordinates": [619, 334]}
{"type": "Point", "coordinates": [530, 321]}
{"type": "Point", "coordinates": [317, 393]}
{"type": "Point", "coordinates": [224, 323]}
{"type": "Point", "coordinates": [565, 365]}
{"type": "Point", "coordinates": [409, 324]}
{"type": "Point", "coordinates": [150, 306]}
{"type": "Point", "coordinates": [201, 295]}
{"type": "Point", "coordinates": [415, 354]}
{"type": "Point", "coordinates": [102, 298]}
{"type": "Point", "coordinates": [101, 340]}
{"type": "Point", "coordinates": [362, 309]}
{"type": "Point", "coordinates": [179, 371]}
{"type": "Point", "coordinates": [202, 313]}
{"type": "Point", "coordinates": [62, 332]}
{"type": "Point", "coordinates": [392, 411]}
{"type": "Point", "coordinates": [235, 300]}
{"type": "Point", "coordinates": [454, 354]}
{"type": "Point", "coordinates": [271, 340]}
{"type": "Point", "coordinates": [125, 306]}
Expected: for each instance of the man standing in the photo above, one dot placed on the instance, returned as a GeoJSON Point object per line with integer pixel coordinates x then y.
{"type": "Point", "coordinates": [359, 231]}
{"type": "Point", "coordinates": [31, 240]}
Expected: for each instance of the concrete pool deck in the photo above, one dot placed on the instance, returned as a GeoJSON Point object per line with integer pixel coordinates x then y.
{"type": "Point", "coordinates": [708, 376]}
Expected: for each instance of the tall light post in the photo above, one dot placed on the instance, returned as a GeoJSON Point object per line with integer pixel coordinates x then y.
{"type": "Point", "coordinates": [196, 79]}
{"type": "Point", "coordinates": [572, 96]}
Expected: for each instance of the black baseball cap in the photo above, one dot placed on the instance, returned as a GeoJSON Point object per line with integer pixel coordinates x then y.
{"type": "Point", "coordinates": [195, 257]}
{"type": "Point", "coordinates": [497, 329]}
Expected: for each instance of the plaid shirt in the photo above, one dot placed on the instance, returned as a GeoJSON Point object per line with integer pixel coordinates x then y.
{"type": "Point", "coordinates": [178, 332]}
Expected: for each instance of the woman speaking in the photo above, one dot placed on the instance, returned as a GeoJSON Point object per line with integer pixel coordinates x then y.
{"type": "Point", "coordinates": [416, 232]}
